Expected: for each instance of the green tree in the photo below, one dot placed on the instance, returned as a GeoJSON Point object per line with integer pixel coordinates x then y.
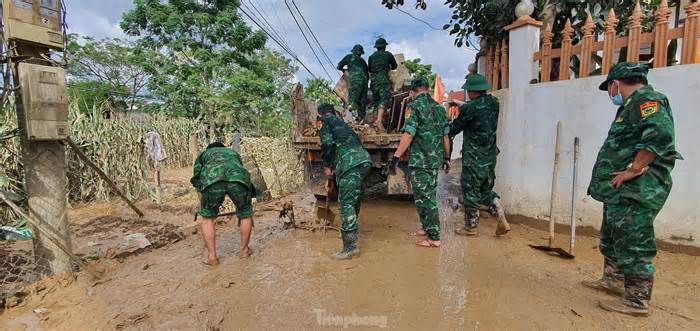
{"type": "Point", "coordinates": [416, 69]}
{"type": "Point", "coordinates": [320, 90]}
{"type": "Point", "coordinates": [486, 19]}
{"type": "Point", "coordinates": [107, 71]}
{"type": "Point", "coordinates": [200, 40]}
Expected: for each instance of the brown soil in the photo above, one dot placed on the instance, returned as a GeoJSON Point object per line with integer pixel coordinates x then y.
{"type": "Point", "coordinates": [292, 282]}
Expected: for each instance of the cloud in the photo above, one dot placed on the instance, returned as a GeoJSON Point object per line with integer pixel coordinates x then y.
{"type": "Point", "coordinates": [408, 49]}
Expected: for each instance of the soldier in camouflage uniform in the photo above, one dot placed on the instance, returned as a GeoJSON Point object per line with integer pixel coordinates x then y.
{"type": "Point", "coordinates": [359, 75]}
{"type": "Point", "coordinates": [345, 158]}
{"type": "Point", "coordinates": [426, 135]}
{"type": "Point", "coordinates": [632, 177]}
{"type": "Point", "coordinates": [218, 172]}
{"type": "Point", "coordinates": [380, 63]}
{"type": "Point", "coordinates": [478, 119]}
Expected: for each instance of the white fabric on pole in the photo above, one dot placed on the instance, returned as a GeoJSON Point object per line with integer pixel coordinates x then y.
{"type": "Point", "coordinates": [154, 147]}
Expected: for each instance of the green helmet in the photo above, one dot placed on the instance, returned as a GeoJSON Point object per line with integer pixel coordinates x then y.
{"type": "Point", "coordinates": [420, 81]}
{"type": "Point", "coordinates": [325, 108]}
{"type": "Point", "coordinates": [381, 42]}
{"type": "Point", "coordinates": [358, 50]}
{"type": "Point", "coordinates": [476, 82]}
{"type": "Point", "coordinates": [626, 70]}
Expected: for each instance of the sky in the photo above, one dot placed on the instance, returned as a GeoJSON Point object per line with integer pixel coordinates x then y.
{"type": "Point", "coordinates": [338, 25]}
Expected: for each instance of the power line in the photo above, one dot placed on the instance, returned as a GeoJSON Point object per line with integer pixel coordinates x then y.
{"type": "Point", "coordinates": [264, 17]}
{"type": "Point", "coordinates": [283, 42]}
{"type": "Point", "coordinates": [278, 42]}
{"type": "Point", "coordinates": [418, 19]}
{"type": "Point", "coordinates": [313, 35]}
{"type": "Point", "coordinates": [307, 40]}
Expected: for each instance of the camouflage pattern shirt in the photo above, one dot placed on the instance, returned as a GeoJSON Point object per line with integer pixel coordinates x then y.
{"type": "Point", "coordinates": [479, 121]}
{"type": "Point", "coordinates": [357, 67]}
{"type": "Point", "coordinates": [340, 146]}
{"type": "Point", "coordinates": [219, 164]}
{"type": "Point", "coordinates": [379, 65]}
{"type": "Point", "coordinates": [426, 121]}
{"type": "Point", "coordinates": [643, 122]}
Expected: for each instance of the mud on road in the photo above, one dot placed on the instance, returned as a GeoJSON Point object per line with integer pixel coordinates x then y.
{"type": "Point", "coordinates": [291, 281]}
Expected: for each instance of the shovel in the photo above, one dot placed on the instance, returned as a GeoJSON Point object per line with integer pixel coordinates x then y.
{"type": "Point", "coordinates": [549, 247]}
{"type": "Point", "coordinates": [323, 211]}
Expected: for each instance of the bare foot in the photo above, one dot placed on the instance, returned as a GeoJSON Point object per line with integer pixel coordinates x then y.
{"type": "Point", "coordinates": [419, 233]}
{"type": "Point", "coordinates": [211, 262]}
{"type": "Point", "coordinates": [245, 253]}
{"type": "Point", "coordinates": [428, 243]}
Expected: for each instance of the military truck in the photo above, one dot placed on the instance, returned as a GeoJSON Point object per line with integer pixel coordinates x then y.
{"type": "Point", "coordinates": [381, 146]}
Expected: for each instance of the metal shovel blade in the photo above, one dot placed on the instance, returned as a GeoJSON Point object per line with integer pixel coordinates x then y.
{"type": "Point", "coordinates": [323, 211]}
{"type": "Point", "coordinates": [556, 250]}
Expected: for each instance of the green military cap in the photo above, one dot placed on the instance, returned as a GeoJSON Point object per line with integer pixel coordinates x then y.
{"type": "Point", "coordinates": [325, 108]}
{"type": "Point", "coordinates": [357, 49]}
{"type": "Point", "coordinates": [625, 70]}
{"type": "Point", "coordinates": [476, 82]}
{"type": "Point", "coordinates": [420, 81]}
{"type": "Point", "coordinates": [381, 42]}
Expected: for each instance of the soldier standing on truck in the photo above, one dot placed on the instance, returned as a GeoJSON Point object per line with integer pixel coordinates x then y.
{"type": "Point", "coordinates": [345, 159]}
{"type": "Point", "coordinates": [359, 75]}
{"type": "Point", "coordinates": [478, 119]}
{"type": "Point", "coordinates": [632, 178]}
{"type": "Point", "coordinates": [426, 134]}
{"type": "Point", "coordinates": [380, 63]}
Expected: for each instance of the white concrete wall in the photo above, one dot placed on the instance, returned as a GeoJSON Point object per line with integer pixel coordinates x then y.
{"type": "Point", "coordinates": [526, 138]}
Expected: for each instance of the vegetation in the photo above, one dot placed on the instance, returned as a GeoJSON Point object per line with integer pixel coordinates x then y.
{"type": "Point", "coordinates": [416, 69]}
{"type": "Point", "coordinates": [486, 19]}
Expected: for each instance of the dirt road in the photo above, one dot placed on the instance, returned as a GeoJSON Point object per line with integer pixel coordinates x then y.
{"type": "Point", "coordinates": [291, 282]}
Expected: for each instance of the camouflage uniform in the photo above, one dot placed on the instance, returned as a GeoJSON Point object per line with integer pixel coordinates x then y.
{"type": "Point", "coordinates": [218, 172]}
{"type": "Point", "coordinates": [379, 65]}
{"type": "Point", "coordinates": [643, 122]}
{"type": "Point", "coordinates": [426, 121]}
{"type": "Point", "coordinates": [478, 120]}
{"type": "Point", "coordinates": [359, 75]}
{"type": "Point", "coordinates": [342, 150]}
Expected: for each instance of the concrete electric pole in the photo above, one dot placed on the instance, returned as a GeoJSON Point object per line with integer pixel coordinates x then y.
{"type": "Point", "coordinates": [31, 30]}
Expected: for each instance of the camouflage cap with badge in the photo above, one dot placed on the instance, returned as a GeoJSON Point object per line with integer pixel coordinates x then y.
{"type": "Point", "coordinates": [626, 70]}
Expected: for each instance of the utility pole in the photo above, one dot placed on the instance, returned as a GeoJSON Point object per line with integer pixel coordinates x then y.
{"type": "Point", "coordinates": [30, 30]}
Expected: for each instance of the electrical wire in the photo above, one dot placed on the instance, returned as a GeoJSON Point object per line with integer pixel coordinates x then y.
{"type": "Point", "coordinates": [296, 58]}
{"type": "Point", "coordinates": [313, 35]}
{"type": "Point", "coordinates": [418, 19]}
{"type": "Point", "coordinates": [307, 40]}
{"type": "Point", "coordinates": [264, 17]}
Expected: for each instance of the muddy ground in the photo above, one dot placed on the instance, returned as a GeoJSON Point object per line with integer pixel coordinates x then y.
{"type": "Point", "coordinates": [291, 281]}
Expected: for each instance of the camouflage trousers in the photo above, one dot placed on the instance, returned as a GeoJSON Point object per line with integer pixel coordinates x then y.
{"type": "Point", "coordinates": [381, 91]}
{"type": "Point", "coordinates": [627, 236]}
{"type": "Point", "coordinates": [350, 196]}
{"type": "Point", "coordinates": [424, 185]}
{"type": "Point", "coordinates": [357, 96]}
{"type": "Point", "coordinates": [478, 177]}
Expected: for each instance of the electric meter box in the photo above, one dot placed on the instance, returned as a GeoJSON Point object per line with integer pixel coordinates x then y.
{"type": "Point", "coordinates": [33, 21]}
{"type": "Point", "coordinates": [43, 91]}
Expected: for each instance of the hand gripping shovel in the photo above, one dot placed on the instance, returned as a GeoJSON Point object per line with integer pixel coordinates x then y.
{"type": "Point", "coordinates": [548, 248]}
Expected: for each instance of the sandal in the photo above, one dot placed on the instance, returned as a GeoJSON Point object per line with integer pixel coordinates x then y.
{"type": "Point", "coordinates": [428, 243]}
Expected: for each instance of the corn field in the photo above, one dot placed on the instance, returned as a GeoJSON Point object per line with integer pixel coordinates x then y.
{"type": "Point", "coordinates": [117, 147]}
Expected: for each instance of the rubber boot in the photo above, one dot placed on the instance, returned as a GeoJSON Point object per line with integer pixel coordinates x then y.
{"type": "Point", "coordinates": [350, 248]}
{"type": "Point", "coordinates": [471, 223]}
{"type": "Point", "coordinates": [612, 281]}
{"type": "Point", "coordinates": [497, 210]}
{"type": "Point", "coordinates": [635, 302]}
